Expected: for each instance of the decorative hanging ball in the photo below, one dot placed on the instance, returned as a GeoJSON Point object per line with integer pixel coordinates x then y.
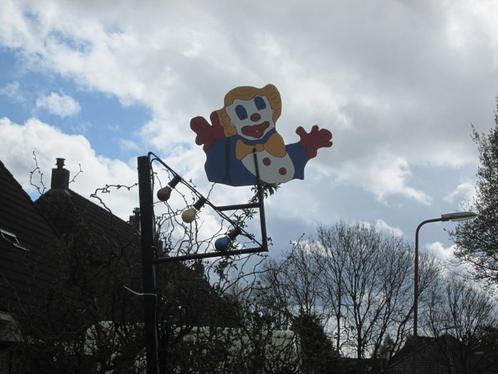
{"type": "Point", "coordinates": [188, 215]}
{"type": "Point", "coordinates": [222, 244]}
{"type": "Point", "coordinates": [164, 193]}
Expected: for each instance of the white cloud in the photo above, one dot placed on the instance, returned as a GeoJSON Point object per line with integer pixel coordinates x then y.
{"type": "Point", "coordinates": [438, 250]}
{"type": "Point", "coordinates": [390, 109]}
{"type": "Point", "coordinates": [82, 127]}
{"type": "Point", "coordinates": [464, 194]}
{"type": "Point", "coordinates": [381, 173]}
{"type": "Point", "coordinates": [60, 105]}
{"type": "Point", "coordinates": [12, 91]}
{"type": "Point", "coordinates": [128, 145]}
{"type": "Point", "coordinates": [381, 225]}
{"type": "Point", "coordinates": [20, 140]}
{"type": "Point", "coordinates": [451, 264]}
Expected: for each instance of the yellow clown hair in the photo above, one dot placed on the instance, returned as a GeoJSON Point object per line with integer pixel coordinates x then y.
{"type": "Point", "coordinates": [248, 93]}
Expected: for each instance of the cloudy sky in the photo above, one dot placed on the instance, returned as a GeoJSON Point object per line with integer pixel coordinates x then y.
{"type": "Point", "coordinates": [399, 83]}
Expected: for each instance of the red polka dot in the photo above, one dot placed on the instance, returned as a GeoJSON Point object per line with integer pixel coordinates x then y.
{"type": "Point", "coordinates": [266, 161]}
{"type": "Point", "coordinates": [282, 171]}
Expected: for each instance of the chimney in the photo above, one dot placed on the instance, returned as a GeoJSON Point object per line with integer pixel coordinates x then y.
{"type": "Point", "coordinates": [60, 176]}
{"type": "Point", "coordinates": [134, 220]}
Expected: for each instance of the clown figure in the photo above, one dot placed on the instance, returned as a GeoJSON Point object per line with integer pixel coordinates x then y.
{"type": "Point", "coordinates": [244, 131]}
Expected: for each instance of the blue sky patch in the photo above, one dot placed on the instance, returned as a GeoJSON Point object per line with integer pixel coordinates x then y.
{"type": "Point", "coordinates": [111, 128]}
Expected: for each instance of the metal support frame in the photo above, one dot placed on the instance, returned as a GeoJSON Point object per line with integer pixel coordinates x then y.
{"type": "Point", "coordinates": [147, 237]}
{"type": "Point", "coordinates": [196, 256]}
{"type": "Point", "coordinates": [238, 206]}
{"type": "Point", "coordinates": [148, 271]}
{"type": "Point", "coordinates": [263, 246]}
{"type": "Point", "coordinates": [261, 200]}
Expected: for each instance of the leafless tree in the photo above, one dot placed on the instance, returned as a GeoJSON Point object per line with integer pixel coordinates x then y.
{"type": "Point", "coordinates": [463, 311]}
{"type": "Point", "coordinates": [357, 280]}
{"type": "Point", "coordinates": [296, 280]}
{"type": "Point", "coordinates": [332, 264]}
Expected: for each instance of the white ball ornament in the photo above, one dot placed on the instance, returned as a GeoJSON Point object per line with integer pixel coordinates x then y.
{"type": "Point", "coordinates": [188, 215]}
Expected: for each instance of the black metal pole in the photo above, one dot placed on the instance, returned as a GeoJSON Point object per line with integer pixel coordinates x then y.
{"type": "Point", "coordinates": [261, 201]}
{"type": "Point", "coordinates": [196, 256]}
{"type": "Point", "coordinates": [148, 274]}
{"type": "Point", "coordinates": [415, 295]}
{"type": "Point", "coordinates": [237, 206]}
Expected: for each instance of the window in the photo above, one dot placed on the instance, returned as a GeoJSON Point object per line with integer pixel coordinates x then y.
{"type": "Point", "coordinates": [12, 238]}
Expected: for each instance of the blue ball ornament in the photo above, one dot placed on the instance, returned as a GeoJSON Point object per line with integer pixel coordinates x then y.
{"type": "Point", "coordinates": [222, 244]}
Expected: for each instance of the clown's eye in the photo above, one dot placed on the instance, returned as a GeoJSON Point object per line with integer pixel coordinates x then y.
{"type": "Point", "coordinates": [260, 102]}
{"type": "Point", "coordinates": [241, 112]}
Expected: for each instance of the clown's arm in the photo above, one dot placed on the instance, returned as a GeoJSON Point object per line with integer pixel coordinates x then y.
{"type": "Point", "coordinates": [306, 149]}
{"type": "Point", "coordinates": [314, 140]}
{"type": "Point", "coordinates": [207, 134]}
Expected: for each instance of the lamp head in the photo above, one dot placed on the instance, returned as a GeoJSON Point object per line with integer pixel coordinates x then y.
{"type": "Point", "coordinates": [458, 216]}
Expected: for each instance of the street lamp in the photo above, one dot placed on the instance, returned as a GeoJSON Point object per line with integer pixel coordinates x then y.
{"type": "Point", "coordinates": [457, 216]}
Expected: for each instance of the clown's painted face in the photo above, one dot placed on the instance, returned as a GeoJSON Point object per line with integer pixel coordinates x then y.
{"type": "Point", "coordinates": [251, 118]}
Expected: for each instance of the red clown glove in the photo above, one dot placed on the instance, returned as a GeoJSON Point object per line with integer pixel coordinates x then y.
{"type": "Point", "coordinates": [207, 134]}
{"type": "Point", "coordinates": [315, 139]}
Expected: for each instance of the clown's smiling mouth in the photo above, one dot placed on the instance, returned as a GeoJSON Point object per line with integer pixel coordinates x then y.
{"type": "Point", "coordinates": [255, 131]}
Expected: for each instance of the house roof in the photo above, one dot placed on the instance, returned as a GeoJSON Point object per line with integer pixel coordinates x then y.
{"type": "Point", "coordinates": [438, 354]}
{"type": "Point", "coordinates": [26, 242]}
{"type": "Point", "coordinates": [434, 354]}
{"type": "Point", "coordinates": [100, 251]}
{"type": "Point", "coordinates": [68, 211]}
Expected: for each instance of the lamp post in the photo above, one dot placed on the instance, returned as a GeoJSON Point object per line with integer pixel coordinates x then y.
{"type": "Point", "coordinates": [457, 216]}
